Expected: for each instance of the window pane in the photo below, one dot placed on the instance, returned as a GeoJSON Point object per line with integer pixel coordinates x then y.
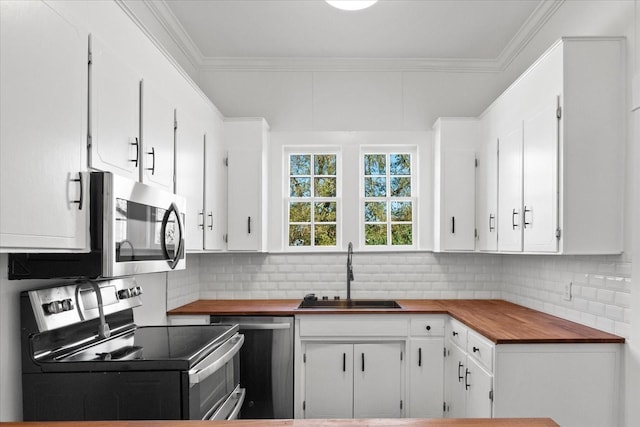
{"type": "Point", "coordinates": [325, 187]}
{"type": "Point", "coordinates": [300, 164]}
{"type": "Point", "coordinates": [325, 211]}
{"type": "Point", "coordinates": [375, 187]}
{"type": "Point", "coordinates": [375, 234]}
{"type": "Point", "coordinates": [400, 187]}
{"type": "Point", "coordinates": [299, 212]}
{"type": "Point", "coordinates": [401, 234]}
{"type": "Point", "coordinates": [300, 187]}
{"type": "Point", "coordinates": [375, 164]}
{"type": "Point", "coordinates": [325, 164]}
{"type": "Point", "coordinates": [400, 211]}
{"type": "Point", "coordinates": [325, 235]}
{"type": "Point", "coordinates": [400, 164]}
{"type": "Point", "coordinates": [299, 235]}
{"type": "Point", "coordinates": [375, 211]}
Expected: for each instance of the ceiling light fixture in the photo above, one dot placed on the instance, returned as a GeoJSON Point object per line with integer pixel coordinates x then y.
{"type": "Point", "coordinates": [351, 4]}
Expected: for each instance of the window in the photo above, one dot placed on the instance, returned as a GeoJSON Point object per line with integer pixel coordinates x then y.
{"type": "Point", "coordinates": [388, 202]}
{"type": "Point", "coordinates": [312, 204]}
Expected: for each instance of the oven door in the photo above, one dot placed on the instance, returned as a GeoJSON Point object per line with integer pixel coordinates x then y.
{"type": "Point", "coordinates": [214, 391]}
{"type": "Point", "coordinates": [143, 228]}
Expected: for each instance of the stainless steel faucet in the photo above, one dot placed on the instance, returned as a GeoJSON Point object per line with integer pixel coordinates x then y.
{"type": "Point", "coordinates": [103, 328]}
{"type": "Point", "coordinates": [349, 269]}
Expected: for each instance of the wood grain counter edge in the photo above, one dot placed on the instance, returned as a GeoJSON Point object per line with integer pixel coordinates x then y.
{"type": "Point", "coordinates": [500, 321]}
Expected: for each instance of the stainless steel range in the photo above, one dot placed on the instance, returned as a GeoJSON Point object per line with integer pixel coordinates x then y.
{"type": "Point", "coordinates": [83, 358]}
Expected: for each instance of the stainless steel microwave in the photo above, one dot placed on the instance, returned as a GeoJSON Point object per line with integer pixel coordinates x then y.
{"type": "Point", "coordinates": [134, 228]}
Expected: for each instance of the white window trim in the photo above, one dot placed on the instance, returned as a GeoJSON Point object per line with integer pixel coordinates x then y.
{"type": "Point", "coordinates": [311, 150]}
{"type": "Point", "coordinates": [389, 149]}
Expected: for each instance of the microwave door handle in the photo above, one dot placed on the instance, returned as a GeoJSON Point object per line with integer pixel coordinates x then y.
{"type": "Point", "coordinates": [163, 229]}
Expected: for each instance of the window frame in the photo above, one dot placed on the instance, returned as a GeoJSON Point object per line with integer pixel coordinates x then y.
{"type": "Point", "coordinates": [288, 151]}
{"type": "Point", "coordinates": [387, 150]}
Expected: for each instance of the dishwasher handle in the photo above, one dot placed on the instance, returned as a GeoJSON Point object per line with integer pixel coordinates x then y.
{"type": "Point", "coordinates": [263, 326]}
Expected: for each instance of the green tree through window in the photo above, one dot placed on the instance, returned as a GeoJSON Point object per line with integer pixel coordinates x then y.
{"type": "Point", "coordinates": [388, 204]}
{"type": "Point", "coordinates": [313, 204]}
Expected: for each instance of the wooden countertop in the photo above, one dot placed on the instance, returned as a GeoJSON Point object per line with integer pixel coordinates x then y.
{"type": "Point", "coordinates": [500, 321]}
{"type": "Point", "coordinates": [395, 422]}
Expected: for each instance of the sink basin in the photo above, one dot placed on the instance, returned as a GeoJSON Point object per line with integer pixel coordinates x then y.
{"type": "Point", "coordinates": [351, 304]}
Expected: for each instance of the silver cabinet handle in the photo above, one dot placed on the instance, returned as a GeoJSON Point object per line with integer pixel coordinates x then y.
{"type": "Point", "coordinates": [492, 222]}
{"type": "Point", "coordinates": [210, 216]}
{"type": "Point", "coordinates": [201, 225]}
{"type": "Point", "coordinates": [137, 145]}
{"type": "Point", "coordinates": [524, 220]}
{"type": "Point", "coordinates": [249, 225]}
{"type": "Point", "coordinates": [453, 225]}
{"type": "Point", "coordinates": [513, 219]}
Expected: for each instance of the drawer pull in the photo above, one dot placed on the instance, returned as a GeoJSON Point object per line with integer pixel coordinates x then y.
{"type": "Point", "coordinates": [476, 349]}
{"type": "Point", "coordinates": [420, 356]}
{"type": "Point", "coordinates": [460, 365]}
{"type": "Point", "coordinates": [466, 379]}
{"type": "Point", "coordinates": [454, 333]}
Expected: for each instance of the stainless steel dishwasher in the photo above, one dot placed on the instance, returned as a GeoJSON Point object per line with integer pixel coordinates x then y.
{"type": "Point", "coordinates": [266, 365]}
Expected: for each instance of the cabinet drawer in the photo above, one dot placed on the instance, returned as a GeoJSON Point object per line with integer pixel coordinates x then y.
{"type": "Point", "coordinates": [358, 326]}
{"type": "Point", "coordinates": [480, 349]}
{"type": "Point", "coordinates": [427, 326]}
{"type": "Point", "coordinates": [457, 333]}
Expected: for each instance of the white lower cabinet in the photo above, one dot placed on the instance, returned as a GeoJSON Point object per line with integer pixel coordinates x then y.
{"type": "Point", "coordinates": [345, 380]}
{"type": "Point", "coordinates": [468, 380]}
{"type": "Point", "coordinates": [425, 372]}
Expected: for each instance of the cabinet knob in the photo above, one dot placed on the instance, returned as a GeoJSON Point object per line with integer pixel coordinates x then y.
{"type": "Point", "coordinates": [476, 349]}
{"type": "Point", "coordinates": [428, 327]}
{"type": "Point", "coordinates": [454, 333]}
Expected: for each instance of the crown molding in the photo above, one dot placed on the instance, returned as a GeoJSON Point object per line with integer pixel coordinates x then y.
{"type": "Point", "coordinates": [165, 17]}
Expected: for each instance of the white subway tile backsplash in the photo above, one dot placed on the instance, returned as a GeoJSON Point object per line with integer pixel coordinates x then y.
{"type": "Point", "coordinates": [601, 285]}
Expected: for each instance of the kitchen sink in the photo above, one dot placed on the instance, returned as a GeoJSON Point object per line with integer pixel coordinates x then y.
{"type": "Point", "coordinates": [351, 304]}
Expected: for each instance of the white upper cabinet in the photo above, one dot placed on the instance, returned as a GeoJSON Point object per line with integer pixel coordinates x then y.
{"type": "Point", "coordinates": [43, 116]}
{"type": "Point", "coordinates": [190, 136]}
{"type": "Point", "coordinates": [487, 188]}
{"type": "Point", "coordinates": [215, 184]}
{"type": "Point", "coordinates": [560, 131]}
{"type": "Point", "coordinates": [114, 119]}
{"type": "Point", "coordinates": [455, 169]}
{"type": "Point", "coordinates": [247, 140]}
{"type": "Point", "coordinates": [156, 138]}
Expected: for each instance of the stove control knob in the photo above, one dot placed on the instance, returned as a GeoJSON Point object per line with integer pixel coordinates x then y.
{"type": "Point", "coordinates": [53, 307]}
{"type": "Point", "coordinates": [67, 304]}
{"type": "Point", "coordinates": [136, 291]}
{"type": "Point", "coordinates": [124, 294]}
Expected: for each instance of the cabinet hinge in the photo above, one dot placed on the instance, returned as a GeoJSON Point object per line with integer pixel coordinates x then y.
{"type": "Point", "coordinates": [476, 162]}
{"type": "Point", "coordinates": [304, 405]}
{"type": "Point", "coordinates": [226, 161]}
{"type": "Point", "coordinates": [225, 237]}
{"type": "Point", "coordinates": [475, 233]}
{"type": "Point", "coordinates": [175, 125]}
{"type": "Point", "coordinates": [559, 112]}
{"type": "Point", "coordinates": [444, 353]}
{"type": "Point", "coordinates": [90, 58]}
{"type": "Point", "coordinates": [558, 233]}
{"type": "Point", "coordinates": [401, 404]}
{"type": "Point", "coordinates": [304, 358]}
{"type": "Point", "coordinates": [491, 395]}
{"type": "Point", "coordinates": [400, 355]}
{"type": "Point", "coordinates": [445, 408]}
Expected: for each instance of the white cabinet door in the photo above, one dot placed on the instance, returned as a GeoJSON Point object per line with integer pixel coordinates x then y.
{"type": "Point", "coordinates": [244, 200]}
{"type": "Point", "coordinates": [190, 176]}
{"type": "Point", "coordinates": [455, 393]}
{"type": "Point", "coordinates": [457, 226]}
{"type": "Point", "coordinates": [479, 385]}
{"type": "Point", "coordinates": [43, 115]}
{"type": "Point", "coordinates": [377, 374]}
{"type": "Point", "coordinates": [328, 376]}
{"type": "Point", "coordinates": [487, 195]}
{"type": "Point", "coordinates": [114, 123]}
{"type": "Point", "coordinates": [157, 138]}
{"type": "Point", "coordinates": [426, 377]}
{"type": "Point", "coordinates": [540, 219]}
{"type": "Point", "coordinates": [510, 191]}
{"type": "Point", "coordinates": [215, 183]}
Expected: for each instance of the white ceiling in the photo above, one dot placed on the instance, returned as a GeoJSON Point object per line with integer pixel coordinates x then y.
{"type": "Point", "coordinates": [467, 33]}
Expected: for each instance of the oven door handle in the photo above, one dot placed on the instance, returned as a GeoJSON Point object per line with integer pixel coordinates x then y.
{"type": "Point", "coordinates": [230, 409]}
{"type": "Point", "coordinates": [214, 361]}
{"type": "Point", "coordinates": [263, 326]}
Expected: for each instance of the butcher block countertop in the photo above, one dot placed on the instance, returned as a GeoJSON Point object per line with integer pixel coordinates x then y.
{"type": "Point", "coordinates": [500, 321]}
{"type": "Point", "coordinates": [394, 422]}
